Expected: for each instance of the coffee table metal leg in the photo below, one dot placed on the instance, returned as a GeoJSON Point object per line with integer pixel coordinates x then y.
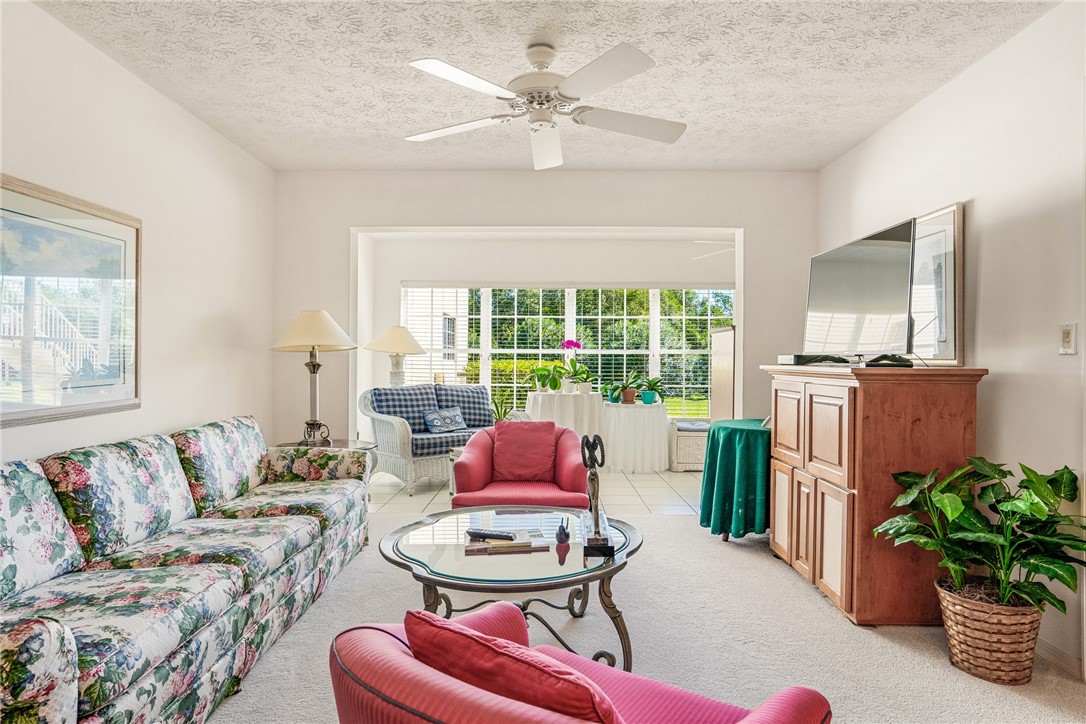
{"type": "Point", "coordinates": [431, 599]}
{"type": "Point", "coordinates": [612, 610]}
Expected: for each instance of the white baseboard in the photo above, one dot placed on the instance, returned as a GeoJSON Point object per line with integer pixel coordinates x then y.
{"type": "Point", "coordinates": [1060, 659]}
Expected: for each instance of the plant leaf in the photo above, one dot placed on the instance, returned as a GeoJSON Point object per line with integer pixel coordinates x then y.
{"type": "Point", "coordinates": [1064, 483]}
{"type": "Point", "coordinates": [972, 519]}
{"type": "Point", "coordinates": [1070, 541]}
{"type": "Point", "coordinates": [928, 544]}
{"type": "Point", "coordinates": [941, 485]}
{"type": "Point", "coordinates": [979, 537]}
{"type": "Point", "coordinates": [1036, 592]}
{"type": "Point", "coordinates": [991, 471]}
{"type": "Point", "coordinates": [951, 505]}
{"type": "Point", "coordinates": [909, 480]}
{"type": "Point", "coordinates": [1039, 486]}
{"type": "Point", "coordinates": [1052, 569]}
{"type": "Point", "coordinates": [899, 525]}
{"type": "Point", "coordinates": [991, 494]}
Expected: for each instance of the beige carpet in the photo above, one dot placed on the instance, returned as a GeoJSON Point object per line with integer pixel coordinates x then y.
{"type": "Point", "coordinates": [726, 620]}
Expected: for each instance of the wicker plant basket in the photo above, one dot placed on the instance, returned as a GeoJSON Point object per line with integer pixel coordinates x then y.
{"type": "Point", "coordinates": [991, 642]}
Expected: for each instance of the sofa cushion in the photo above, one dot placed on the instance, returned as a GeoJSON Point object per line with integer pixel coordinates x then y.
{"type": "Point", "coordinates": [426, 444]}
{"type": "Point", "coordinates": [36, 542]}
{"type": "Point", "coordinates": [524, 450]}
{"type": "Point", "coordinates": [407, 402]}
{"type": "Point", "coordinates": [298, 464]}
{"type": "Point", "coordinates": [118, 494]}
{"type": "Point", "coordinates": [221, 460]}
{"type": "Point", "coordinates": [328, 502]}
{"type": "Point", "coordinates": [531, 492]}
{"type": "Point", "coordinates": [505, 668]}
{"type": "Point", "coordinates": [445, 420]}
{"type": "Point", "coordinates": [473, 401]}
{"type": "Point", "coordinates": [257, 547]}
{"type": "Point", "coordinates": [126, 622]}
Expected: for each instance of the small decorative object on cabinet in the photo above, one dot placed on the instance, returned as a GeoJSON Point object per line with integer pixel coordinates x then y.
{"type": "Point", "coordinates": [837, 436]}
{"type": "Point", "coordinates": [992, 623]}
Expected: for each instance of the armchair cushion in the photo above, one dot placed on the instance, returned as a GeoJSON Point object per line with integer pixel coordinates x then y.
{"type": "Point", "coordinates": [407, 402]}
{"type": "Point", "coordinates": [36, 542]}
{"type": "Point", "coordinates": [524, 492]}
{"type": "Point", "coordinates": [505, 668]}
{"type": "Point", "coordinates": [473, 401]}
{"type": "Point", "coordinates": [446, 420]}
{"type": "Point", "coordinates": [524, 450]}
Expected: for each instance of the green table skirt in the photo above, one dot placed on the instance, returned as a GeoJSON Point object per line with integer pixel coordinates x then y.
{"type": "Point", "coordinates": [735, 481]}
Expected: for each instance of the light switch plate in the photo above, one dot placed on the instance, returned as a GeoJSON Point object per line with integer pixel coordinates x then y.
{"type": "Point", "coordinates": [1069, 339]}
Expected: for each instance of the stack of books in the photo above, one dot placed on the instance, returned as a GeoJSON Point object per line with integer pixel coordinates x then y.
{"type": "Point", "coordinates": [526, 541]}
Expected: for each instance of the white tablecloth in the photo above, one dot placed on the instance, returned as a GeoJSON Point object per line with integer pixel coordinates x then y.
{"type": "Point", "coordinates": [583, 413]}
{"type": "Point", "coordinates": [635, 437]}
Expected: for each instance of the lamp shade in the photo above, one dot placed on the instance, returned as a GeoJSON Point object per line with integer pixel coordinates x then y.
{"type": "Point", "coordinates": [395, 340]}
{"type": "Point", "coordinates": [314, 329]}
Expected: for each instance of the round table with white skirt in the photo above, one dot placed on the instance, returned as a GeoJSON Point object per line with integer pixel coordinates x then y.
{"type": "Point", "coordinates": [582, 413]}
{"type": "Point", "coordinates": [635, 437]}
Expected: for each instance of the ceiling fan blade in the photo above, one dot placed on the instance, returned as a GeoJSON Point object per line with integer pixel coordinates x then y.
{"type": "Point", "coordinates": [546, 148]}
{"type": "Point", "coordinates": [711, 253]}
{"type": "Point", "coordinates": [441, 69]}
{"type": "Point", "coordinates": [459, 128]}
{"type": "Point", "coordinates": [656, 129]}
{"type": "Point", "coordinates": [616, 65]}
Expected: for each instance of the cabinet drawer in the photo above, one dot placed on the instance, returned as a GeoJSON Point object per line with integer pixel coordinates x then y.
{"type": "Point", "coordinates": [833, 543]}
{"type": "Point", "coordinates": [827, 448]}
{"type": "Point", "coordinates": [780, 509]}
{"type": "Point", "coordinates": [787, 430]}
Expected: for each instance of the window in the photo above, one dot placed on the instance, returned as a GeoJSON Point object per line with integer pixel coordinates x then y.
{"type": "Point", "coordinates": [506, 332]}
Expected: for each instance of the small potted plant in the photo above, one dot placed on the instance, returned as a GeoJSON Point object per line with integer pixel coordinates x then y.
{"type": "Point", "coordinates": [992, 620]}
{"type": "Point", "coordinates": [580, 375]}
{"type": "Point", "coordinates": [651, 387]}
{"type": "Point", "coordinates": [628, 387]}
{"type": "Point", "coordinates": [612, 392]}
{"type": "Point", "coordinates": [550, 376]}
{"type": "Point", "coordinates": [500, 406]}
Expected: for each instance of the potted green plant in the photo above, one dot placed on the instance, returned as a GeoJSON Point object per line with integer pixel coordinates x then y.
{"type": "Point", "coordinates": [628, 387]}
{"type": "Point", "coordinates": [612, 392]}
{"type": "Point", "coordinates": [1025, 536]}
{"type": "Point", "coordinates": [580, 375]}
{"type": "Point", "coordinates": [550, 376]}
{"type": "Point", "coordinates": [500, 405]}
{"type": "Point", "coordinates": [651, 387]}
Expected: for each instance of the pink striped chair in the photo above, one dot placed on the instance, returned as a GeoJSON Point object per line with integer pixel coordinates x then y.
{"type": "Point", "coordinates": [376, 680]}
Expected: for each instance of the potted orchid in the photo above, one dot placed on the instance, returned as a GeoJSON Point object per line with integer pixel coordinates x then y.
{"type": "Point", "coordinates": [578, 374]}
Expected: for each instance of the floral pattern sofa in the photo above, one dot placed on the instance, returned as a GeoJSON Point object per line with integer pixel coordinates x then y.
{"type": "Point", "coordinates": [140, 581]}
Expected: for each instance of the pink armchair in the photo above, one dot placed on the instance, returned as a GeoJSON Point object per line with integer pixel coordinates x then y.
{"type": "Point", "coordinates": [522, 463]}
{"type": "Point", "coordinates": [376, 679]}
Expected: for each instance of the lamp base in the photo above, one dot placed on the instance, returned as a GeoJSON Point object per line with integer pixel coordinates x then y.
{"type": "Point", "coordinates": [316, 435]}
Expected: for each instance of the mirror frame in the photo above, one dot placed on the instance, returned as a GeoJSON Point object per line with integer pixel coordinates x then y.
{"type": "Point", "coordinates": [956, 356]}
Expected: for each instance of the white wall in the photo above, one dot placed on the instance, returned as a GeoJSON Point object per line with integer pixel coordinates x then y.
{"type": "Point", "coordinates": [1006, 137]}
{"type": "Point", "coordinates": [76, 121]}
{"type": "Point", "coordinates": [315, 212]}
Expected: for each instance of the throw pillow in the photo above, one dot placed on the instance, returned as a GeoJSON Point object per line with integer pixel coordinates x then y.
{"type": "Point", "coordinates": [505, 668]}
{"type": "Point", "coordinates": [445, 420]}
{"type": "Point", "coordinates": [524, 451]}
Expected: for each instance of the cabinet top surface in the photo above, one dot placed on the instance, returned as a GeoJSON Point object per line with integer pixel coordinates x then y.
{"type": "Point", "coordinates": [880, 374]}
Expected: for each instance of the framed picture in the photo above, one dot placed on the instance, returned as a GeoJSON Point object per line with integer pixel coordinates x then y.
{"type": "Point", "coordinates": [69, 306]}
{"type": "Point", "coordinates": [938, 287]}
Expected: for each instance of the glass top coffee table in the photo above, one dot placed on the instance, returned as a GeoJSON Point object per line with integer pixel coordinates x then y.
{"type": "Point", "coordinates": [433, 549]}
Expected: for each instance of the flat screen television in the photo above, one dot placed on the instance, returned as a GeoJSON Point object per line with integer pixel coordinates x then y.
{"type": "Point", "coordinates": [859, 295]}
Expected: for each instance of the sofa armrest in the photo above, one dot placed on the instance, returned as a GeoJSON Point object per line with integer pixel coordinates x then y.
{"type": "Point", "coordinates": [292, 464]}
{"type": "Point", "coordinates": [474, 469]}
{"type": "Point", "coordinates": [570, 474]}
{"type": "Point", "coordinates": [796, 705]}
{"type": "Point", "coordinates": [518, 415]}
{"type": "Point", "coordinates": [39, 676]}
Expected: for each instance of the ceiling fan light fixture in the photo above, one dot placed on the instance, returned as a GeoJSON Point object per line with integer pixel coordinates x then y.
{"type": "Point", "coordinates": [540, 118]}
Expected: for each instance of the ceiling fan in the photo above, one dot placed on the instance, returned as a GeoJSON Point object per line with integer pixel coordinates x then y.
{"type": "Point", "coordinates": [541, 96]}
{"type": "Point", "coordinates": [729, 246]}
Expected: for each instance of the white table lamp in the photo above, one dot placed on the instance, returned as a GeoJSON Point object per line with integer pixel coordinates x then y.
{"type": "Point", "coordinates": [314, 331]}
{"type": "Point", "coordinates": [397, 341]}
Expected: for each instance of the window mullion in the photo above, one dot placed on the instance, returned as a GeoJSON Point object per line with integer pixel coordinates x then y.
{"type": "Point", "coordinates": [571, 314]}
{"type": "Point", "coordinates": [485, 350]}
{"type": "Point", "coordinates": [654, 333]}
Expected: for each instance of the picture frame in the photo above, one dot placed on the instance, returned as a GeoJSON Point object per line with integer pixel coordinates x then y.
{"type": "Point", "coordinates": [938, 286]}
{"type": "Point", "coordinates": [69, 306]}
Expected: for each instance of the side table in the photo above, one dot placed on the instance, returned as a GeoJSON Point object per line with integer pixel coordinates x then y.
{"type": "Point", "coordinates": [735, 482]}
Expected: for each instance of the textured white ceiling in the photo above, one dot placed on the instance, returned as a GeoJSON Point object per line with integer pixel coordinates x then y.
{"type": "Point", "coordinates": [762, 85]}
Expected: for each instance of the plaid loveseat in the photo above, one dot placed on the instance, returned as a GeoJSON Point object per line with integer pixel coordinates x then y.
{"type": "Point", "coordinates": [141, 580]}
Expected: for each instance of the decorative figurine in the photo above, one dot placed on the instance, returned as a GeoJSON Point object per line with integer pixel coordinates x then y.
{"type": "Point", "coordinates": [598, 542]}
{"type": "Point", "coordinates": [561, 537]}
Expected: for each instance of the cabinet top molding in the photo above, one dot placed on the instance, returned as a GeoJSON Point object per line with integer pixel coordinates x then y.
{"type": "Point", "coordinates": [897, 375]}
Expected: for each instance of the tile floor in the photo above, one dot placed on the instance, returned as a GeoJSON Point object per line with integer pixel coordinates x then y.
{"type": "Point", "coordinates": [663, 493]}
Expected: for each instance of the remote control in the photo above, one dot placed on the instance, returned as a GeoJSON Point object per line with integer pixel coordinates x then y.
{"type": "Point", "coordinates": [483, 534]}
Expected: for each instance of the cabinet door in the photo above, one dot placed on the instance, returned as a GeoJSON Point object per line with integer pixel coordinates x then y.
{"type": "Point", "coordinates": [803, 523]}
{"type": "Point", "coordinates": [828, 448]}
{"type": "Point", "coordinates": [787, 430]}
{"type": "Point", "coordinates": [833, 543]}
{"type": "Point", "coordinates": [780, 509]}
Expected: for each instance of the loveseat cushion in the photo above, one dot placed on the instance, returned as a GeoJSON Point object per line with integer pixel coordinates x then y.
{"type": "Point", "coordinates": [410, 403]}
{"type": "Point", "coordinates": [221, 460]}
{"type": "Point", "coordinates": [328, 502]}
{"type": "Point", "coordinates": [117, 494]}
{"type": "Point", "coordinates": [257, 547]}
{"type": "Point", "coordinates": [505, 668]}
{"type": "Point", "coordinates": [36, 542]}
{"type": "Point", "coordinates": [473, 401]}
{"type": "Point", "coordinates": [438, 443]}
{"type": "Point", "coordinates": [126, 622]}
{"type": "Point", "coordinates": [299, 464]}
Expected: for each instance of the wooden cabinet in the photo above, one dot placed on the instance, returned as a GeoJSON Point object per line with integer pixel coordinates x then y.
{"type": "Point", "coordinates": [837, 435]}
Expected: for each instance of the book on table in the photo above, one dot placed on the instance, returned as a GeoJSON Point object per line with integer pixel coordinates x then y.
{"type": "Point", "coordinates": [525, 541]}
